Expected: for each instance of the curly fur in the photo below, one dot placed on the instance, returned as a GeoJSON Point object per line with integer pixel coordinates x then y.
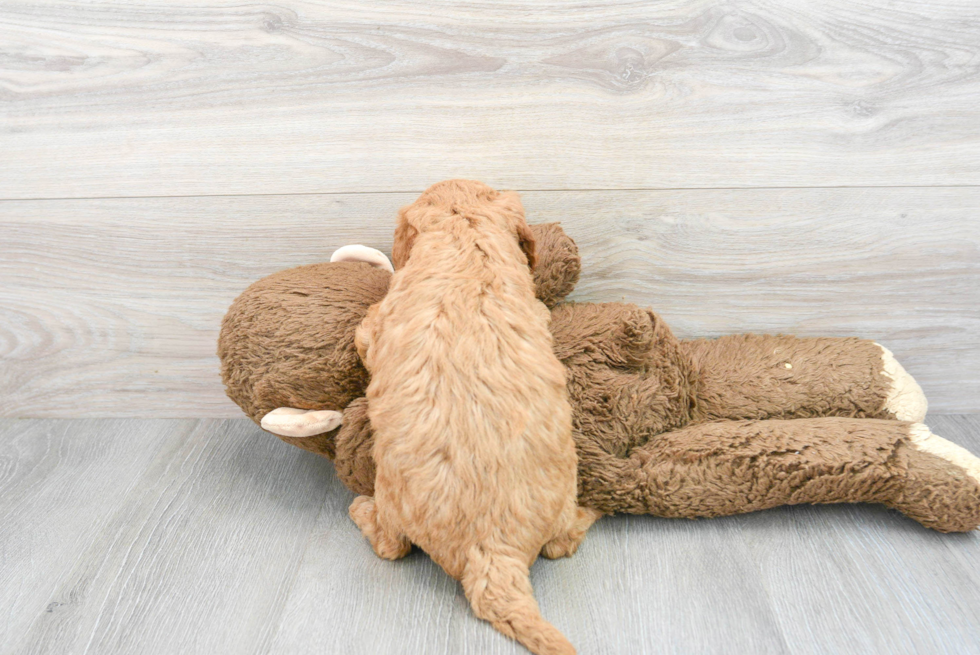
{"type": "Point", "coordinates": [475, 461]}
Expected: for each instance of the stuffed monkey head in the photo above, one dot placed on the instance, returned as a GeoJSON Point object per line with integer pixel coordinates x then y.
{"type": "Point", "coordinates": [287, 342]}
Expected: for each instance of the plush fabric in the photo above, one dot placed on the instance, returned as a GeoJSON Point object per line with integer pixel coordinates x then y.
{"type": "Point", "coordinates": [288, 341]}
{"type": "Point", "coordinates": [675, 428]}
{"type": "Point", "coordinates": [761, 377]}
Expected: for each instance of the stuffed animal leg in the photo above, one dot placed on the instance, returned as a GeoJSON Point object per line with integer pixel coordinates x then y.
{"type": "Point", "coordinates": [732, 467]}
{"type": "Point", "coordinates": [750, 376]}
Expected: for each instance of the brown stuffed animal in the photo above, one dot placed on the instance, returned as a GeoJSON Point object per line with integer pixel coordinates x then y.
{"type": "Point", "coordinates": [673, 428]}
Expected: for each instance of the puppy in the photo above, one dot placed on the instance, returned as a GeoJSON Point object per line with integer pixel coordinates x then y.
{"type": "Point", "coordinates": [472, 425]}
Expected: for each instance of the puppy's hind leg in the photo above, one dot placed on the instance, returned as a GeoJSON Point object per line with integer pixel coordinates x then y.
{"type": "Point", "coordinates": [386, 543]}
{"type": "Point", "coordinates": [567, 542]}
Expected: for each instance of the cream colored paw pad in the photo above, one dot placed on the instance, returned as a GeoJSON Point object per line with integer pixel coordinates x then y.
{"type": "Point", "coordinates": [292, 422]}
{"type": "Point", "coordinates": [923, 439]}
{"type": "Point", "coordinates": [905, 398]}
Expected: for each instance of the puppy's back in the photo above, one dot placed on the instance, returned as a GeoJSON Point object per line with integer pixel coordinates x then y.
{"type": "Point", "coordinates": [473, 425]}
{"type": "Point", "coordinates": [473, 447]}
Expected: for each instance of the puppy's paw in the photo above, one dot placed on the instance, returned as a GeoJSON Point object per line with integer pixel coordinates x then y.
{"type": "Point", "coordinates": [905, 398]}
{"type": "Point", "coordinates": [386, 545]}
{"type": "Point", "coordinates": [565, 544]}
{"type": "Point", "coordinates": [559, 547]}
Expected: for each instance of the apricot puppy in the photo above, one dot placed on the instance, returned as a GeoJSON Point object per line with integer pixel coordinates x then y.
{"type": "Point", "coordinates": [475, 459]}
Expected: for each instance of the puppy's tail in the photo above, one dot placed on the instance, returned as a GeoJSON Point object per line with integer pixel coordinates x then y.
{"type": "Point", "coordinates": [499, 590]}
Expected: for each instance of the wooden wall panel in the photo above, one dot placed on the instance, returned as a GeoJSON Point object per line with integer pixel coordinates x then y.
{"type": "Point", "coordinates": [104, 99]}
{"type": "Point", "coordinates": [112, 307]}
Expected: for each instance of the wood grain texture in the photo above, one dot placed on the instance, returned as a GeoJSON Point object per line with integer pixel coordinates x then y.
{"type": "Point", "coordinates": [112, 307]}
{"type": "Point", "coordinates": [108, 98]}
{"type": "Point", "coordinates": [175, 536]}
{"type": "Point", "coordinates": [193, 553]}
{"type": "Point", "coordinates": [61, 483]}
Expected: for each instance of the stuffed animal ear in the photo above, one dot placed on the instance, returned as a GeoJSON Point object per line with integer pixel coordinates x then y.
{"type": "Point", "coordinates": [405, 234]}
{"type": "Point", "coordinates": [526, 239]}
{"type": "Point", "coordinates": [359, 253]}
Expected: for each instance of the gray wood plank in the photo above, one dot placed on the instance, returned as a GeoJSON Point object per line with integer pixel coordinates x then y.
{"type": "Point", "coordinates": [637, 585]}
{"type": "Point", "coordinates": [112, 307]}
{"type": "Point", "coordinates": [196, 555]}
{"type": "Point", "coordinates": [177, 98]}
{"type": "Point", "coordinates": [169, 536]}
{"type": "Point", "coordinates": [60, 483]}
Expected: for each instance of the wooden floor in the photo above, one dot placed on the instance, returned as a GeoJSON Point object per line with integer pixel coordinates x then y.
{"type": "Point", "coordinates": [210, 536]}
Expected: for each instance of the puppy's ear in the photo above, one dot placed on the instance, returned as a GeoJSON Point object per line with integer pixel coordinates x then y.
{"type": "Point", "coordinates": [405, 234]}
{"type": "Point", "coordinates": [511, 204]}
{"type": "Point", "coordinates": [526, 239]}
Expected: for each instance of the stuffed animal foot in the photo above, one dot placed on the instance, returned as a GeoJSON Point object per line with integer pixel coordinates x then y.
{"type": "Point", "coordinates": [386, 545]}
{"type": "Point", "coordinates": [942, 488]}
{"type": "Point", "coordinates": [292, 422]}
{"type": "Point", "coordinates": [905, 398]}
{"type": "Point", "coordinates": [565, 544]}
